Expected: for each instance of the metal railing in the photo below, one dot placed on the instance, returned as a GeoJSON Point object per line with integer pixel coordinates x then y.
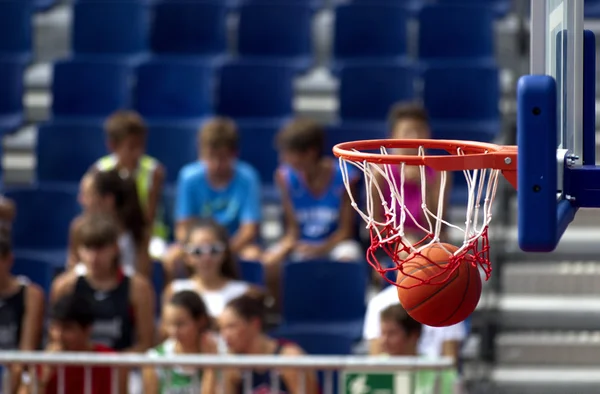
{"type": "Point", "coordinates": [399, 372]}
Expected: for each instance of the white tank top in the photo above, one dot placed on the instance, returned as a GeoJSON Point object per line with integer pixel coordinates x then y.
{"type": "Point", "coordinates": [215, 300]}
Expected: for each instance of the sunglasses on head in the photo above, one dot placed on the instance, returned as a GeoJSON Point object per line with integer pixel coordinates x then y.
{"type": "Point", "coordinates": [206, 249]}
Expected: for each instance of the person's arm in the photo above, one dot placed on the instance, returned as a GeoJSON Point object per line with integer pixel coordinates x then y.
{"type": "Point", "coordinates": [186, 205]}
{"type": "Point", "coordinates": [72, 255]}
{"type": "Point", "coordinates": [142, 297]}
{"type": "Point", "coordinates": [166, 297]}
{"type": "Point", "coordinates": [433, 198]}
{"type": "Point", "coordinates": [248, 231]}
{"type": "Point", "coordinates": [372, 325]}
{"type": "Point", "coordinates": [8, 210]}
{"type": "Point", "coordinates": [209, 375]}
{"type": "Point", "coordinates": [32, 324]}
{"type": "Point", "coordinates": [143, 263]}
{"type": "Point", "coordinates": [62, 285]}
{"type": "Point", "coordinates": [154, 197]}
{"type": "Point", "coordinates": [150, 380]}
{"type": "Point", "coordinates": [293, 377]}
{"type": "Point", "coordinates": [231, 381]}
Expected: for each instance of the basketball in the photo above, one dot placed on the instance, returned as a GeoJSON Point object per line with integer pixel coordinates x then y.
{"type": "Point", "coordinates": [448, 300]}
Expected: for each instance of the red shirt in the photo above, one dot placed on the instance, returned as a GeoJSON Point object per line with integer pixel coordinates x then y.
{"type": "Point", "coordinates": [74, 377]}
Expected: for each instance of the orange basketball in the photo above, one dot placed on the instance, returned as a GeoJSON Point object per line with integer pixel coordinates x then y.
{"type": "Point", "coordinates": [439, 304]}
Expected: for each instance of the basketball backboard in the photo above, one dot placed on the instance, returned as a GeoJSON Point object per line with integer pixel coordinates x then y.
{"type": "Point", "coordinates": [556, 123]}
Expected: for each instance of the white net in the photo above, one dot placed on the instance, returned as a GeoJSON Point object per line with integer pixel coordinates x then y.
{"type": "Point", "coordinates": [390, 189]}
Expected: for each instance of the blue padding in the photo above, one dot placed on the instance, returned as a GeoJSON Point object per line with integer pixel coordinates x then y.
{"type": "Point", "coordinates": [90, 89]}
{"type": "Point", "coordinates": [171, 89]}
{"type": "Point", "coordinates": [256, 90]}
{"type": "Point", "coordinates": [189, 28]}
{"type": "Point", "coordinates": [117, 28]}
{"type": "Point", "coordinates": [65, 151]}
{"type": "Point", "coordinates": [16, 17]}
{"type": "Point", "coordinates": [367, 91]}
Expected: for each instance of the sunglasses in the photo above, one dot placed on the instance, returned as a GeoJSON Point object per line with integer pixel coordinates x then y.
{"type": "Point", "coordinates": [205, 250]}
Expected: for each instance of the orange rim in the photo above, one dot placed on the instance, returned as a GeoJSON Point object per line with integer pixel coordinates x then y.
{"type": "Point", "coordinates": [476, 155]}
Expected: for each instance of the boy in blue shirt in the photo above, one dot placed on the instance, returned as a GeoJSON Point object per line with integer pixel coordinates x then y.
{"type": "Point", "coordinates": [221, 187]}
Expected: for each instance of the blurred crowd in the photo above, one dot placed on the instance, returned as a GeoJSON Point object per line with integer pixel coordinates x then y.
{"type": "Point", "coordinates": [104, 300]}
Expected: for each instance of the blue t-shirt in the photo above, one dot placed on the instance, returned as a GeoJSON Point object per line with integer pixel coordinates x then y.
{"type": "Point", "coordinates": [317, 216]}
{"type": "Point", "coordinates": [235, 204]}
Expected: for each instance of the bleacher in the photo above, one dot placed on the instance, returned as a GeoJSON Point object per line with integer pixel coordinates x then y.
{"type": "Point", "coordinates": [64, 67]}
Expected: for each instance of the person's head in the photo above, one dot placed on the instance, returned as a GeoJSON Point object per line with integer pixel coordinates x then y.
{"type": "Point", "coordinates": [242, 321]}
{"type": "Point", "coordinates": [97, 238]}
{"type": "Point", "coordinates": [109, 192]}
{"type": "Point", "coordinates": [208, 252]}
{"type": "Point", "coordinates": [186, 317]}
{"type": "Point", "coordinates": [126, 135]}
{"type": "Point", "coordinates": [408, 120]}
{"type": "Point", "coordinates": [6, 256]}
{"type": "Point", "coordinates": [399, 332]}
{"type": "Point", "coordinates": [301, 143]}
{"type": "Point", "coordinates": [219, 144]}
{"type": "Point", "coordinates": [71, 320]}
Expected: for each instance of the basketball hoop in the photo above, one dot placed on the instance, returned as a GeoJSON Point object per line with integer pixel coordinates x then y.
{"type": "Point", "coordinates": [385, 177]}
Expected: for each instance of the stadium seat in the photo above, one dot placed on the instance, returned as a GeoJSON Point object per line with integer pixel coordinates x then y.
{"type": "Point", "coordinates": [16, 30]}
{"type": "Point", "coordinates": [39, 270]}
{"type": "Point", "coordinates": [354, 131]}
{"type": "Point", "coordinates": [11, 98]}
{"type": "Point", "coordinates": [328, 344]}
{"type": "Point", "coordinates": [189, 28]}
{"type": "Point", "coordinates": [335, 302]}
{"type": "Point", "coordinates": [463, 101]}
{"type": "Point", "coordinates": [252, 272]}
{"type": "Point", "coordinates": [591, 9]}
{"type": "Point", "coordinates": [276, 32]}
{"type": "Point", "coordinates": [500, 7]}
{"type": "Point", "coordinates": [450, 32]}
{"type": "Point", "coordinates": [44, 214]}
{"type": "Point", "coordinates": [89, 89]}
{"type": "Point", "coordinates": [174, 146]}
{"type": "Point", "coordinates": [65, 151]}
{"type": "Point", "coordinates": [364, 32]}
{"type": "Point", "coordinates": [367, 91]}
{"type": "Point", "coordinates": [114, 29]}
{"type": "Point", "coordinates": [43, 5]}
{"type": "Point", "coordinates": [257, 147]}
{"type": "Point", "coordinates": [171, 90]}
{"type": "Point", "coordinates": [255, 91]}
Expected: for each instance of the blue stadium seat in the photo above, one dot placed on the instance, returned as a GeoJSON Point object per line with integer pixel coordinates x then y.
{"type": "Point", "coordinates": [171, 90]}
{"type": "Point", "coordinates": [335, 302]}
{"type": "Point", "coordinates": [591, 9]}
{"type": "Point", "coordinates": [463, 101]}
{"type": "Point", "coordinates": [329, 344]}
{"type": "Point", "coordinates": [189, 28]}
{"type": "Point", "coordinates": [252, 272]}
{"type": "Point", "coordinates": [255, 91]}
{"type": "Point", "coordinates": [90, 89]}
{"type": "Point", "coordinates": [44, 214]}
{"type": "Point", "coordinates": [43, 5]}
{"type": "Point", "coordinates": [367, 91]}
{"type": "Point", "coordinates": [65, 151]}
{"type": "Point", "coordinates": [354, 131]}
{"type": "Point", "coordinates": [11, 98]}
{"type": "Point", "coordinates": [453, 32]}
{"type": "Point", "coordinates": [500, 7]}
{"type": "Point", "coordinates": [257, 147]}
{"type": "Point", "coordinates": [277, 32]}
{"type": "Point", "coordinates": [16, 30]}
{"type": "Point", "coordinates": [365, 31]}
{"type": "Point", "coordinates": [39, 270]}
{"type": "Point", "coordinates": [174, 146]}
{"type": "Point", "coordinates": [114, 29]}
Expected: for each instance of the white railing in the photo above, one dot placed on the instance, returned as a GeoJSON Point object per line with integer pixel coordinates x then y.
{"type": "Point", "coordinates": [398, 370]}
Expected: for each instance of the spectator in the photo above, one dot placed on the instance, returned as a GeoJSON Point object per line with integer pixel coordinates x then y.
{"type": "Point", "coordinates": [400, 334]}
{"type": "Point", "coordinates": [320, 222]}
{"type": "Point", "coordinates": [21, 311]}
{"type": "Point", "coordinates": [221, 187]}
{"type": "Point", "coordinates": [8, 212]}
{"type": "Point", "coordinates": [123, 305]}
{"type": "Point", "coordinates": [242, 327]}
{"type": "Point", "coordinates": [186, 320]}
{"type": "Point", "coordinates": [433, 341]}
{"type": "Point", "coordinates": [208, 257]}
{"type": "Point", "coordinates": [410, 121]}
{"type": "Point", "coordinates": [107, 192]}
{"type": "Point", "coordinates": [71, 323]}
{"type": "Point", "coordinates": [126, 135]}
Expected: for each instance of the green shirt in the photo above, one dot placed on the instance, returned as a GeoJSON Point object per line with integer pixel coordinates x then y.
{"type": "Point", "coordinates": [175, 380]}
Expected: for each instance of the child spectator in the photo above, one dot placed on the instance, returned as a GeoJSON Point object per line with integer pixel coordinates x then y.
{"type": "Point", "coordinates": [221, 187]}
{"type": "Point", "coordinates": [123, 305]}
{"type": "Point", "coordinates": [186, 321]}
{"type": "Point", "coordinates": [207, 254]}
{"type": "Point", "coordinates": [109, 193]}
{"type": "Point", "coordinates": [71, 323]}
{"type": "Point", "coordinates": [400, 334]}
{"type": "Point", "coordinates": [126, 135]}
{"type": "Point", "coordinates": [21, 312]}
{"type": "Point", "coordinates": [433, 341]}
{"type": "Point", "coordinates": [242, 327]}
{"type": "Point", "coordinates": [410, 121]}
